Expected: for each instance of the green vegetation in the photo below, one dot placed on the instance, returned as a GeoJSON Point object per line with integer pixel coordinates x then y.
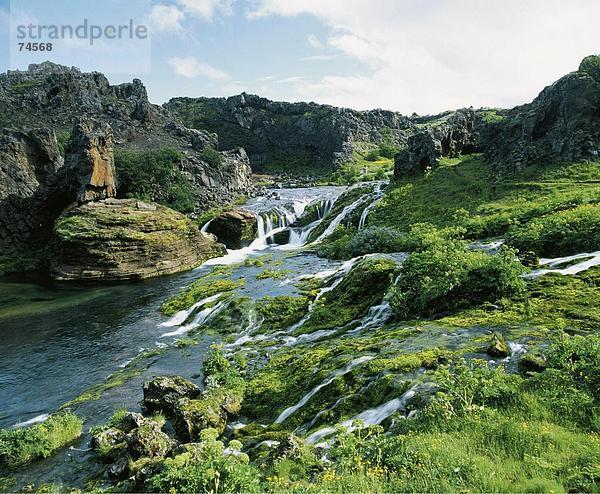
{"type": "Point", "coordinates": [591, 66]}
{"type": "Point", "coordinates": [346, 243]}
{"type": "Point", "coordinates": [155, 176]}
{"type": "Point", "coordinates": [21, 446]}
{"type": "Point", "coordinates": [204, 287]}
{"type": "Point", "coordinates": [463, 193]}
{"type": "Point", "coordinates": [62, 138]}
{"type": "Point", "coordinates": [281, 312]}
{"type": "Point", "coordinates": [559, 233]}
{"type": "Point", "coordinates": [447, 275]}
{"type": "Point", "coordinates": [212, 157]}
{"type": "Point", "coordinates": [272, 274]}
{"type": "Point", "coordinates": [363, 287]}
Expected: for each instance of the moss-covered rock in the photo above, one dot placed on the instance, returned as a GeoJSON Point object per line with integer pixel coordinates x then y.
{"type": "Point", "coordinates": [235, 229]}
{"type": "Point", "coordinates": [148, 441]}
{"type": "Point", "coordinates": [108, 443]}
{"type": "Point", "coordinates": [193, 416]}
{"type": "Point", "coordinates": [127, 239]}
{"type": "Point", "coordinates": [163, 392]}
{"type": "Point", "coordinates": [498, 347]}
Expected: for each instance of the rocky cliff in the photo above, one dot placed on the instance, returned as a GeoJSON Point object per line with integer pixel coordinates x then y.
{"type": "Point", "coordinates": [293, 137]}
{"type": "Point", "coordinates": [57, 97]}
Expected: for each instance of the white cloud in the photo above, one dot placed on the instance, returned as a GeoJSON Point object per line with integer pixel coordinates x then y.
{"type": "Point", "coordinates": [441, 54]}
{"type": "Point", "coordinates": [166, 18]}
{"type": "Point", "coordinates": [314, 41]}
{"type": "Point", "coordinates": [207, 9]}
{"type": "Point", "coordinates": [191, 67]}
{"type": "Point", "coordinates": [316, 58]}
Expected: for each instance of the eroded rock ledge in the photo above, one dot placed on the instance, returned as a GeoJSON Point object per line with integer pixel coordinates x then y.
{"type": "Point", "coordinates": [128, 239]}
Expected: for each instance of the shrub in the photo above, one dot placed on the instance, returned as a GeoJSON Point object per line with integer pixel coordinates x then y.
{"type": "Point", "coordinates": [591, 66]}
{"type": "Point", "coordinates": [562, 233]}
{"type": "Point", "coordinates": [208, 468]}
{"type": "Point", "coordinates": [373, 155]}
{"type": "Point", "coordinates": [21, 446]}
{"type": "Point", "coordinates": [154, 176]}
{"type": "Point", "coordinates": [446, 276]}
{"type": "Point", "coordinates": [212, 157]}
{"type": "Point", "coordinates": [387, 150]}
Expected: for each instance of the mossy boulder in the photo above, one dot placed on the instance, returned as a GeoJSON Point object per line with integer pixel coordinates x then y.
{"type": "Point", "coordinates": [193, 416]}
{"type": "Point", "coordinates": [148, 441]}
{"type": "Point", "coordinates": [532, 362]}
{"type": "Point", "coordinates": [236, 229]}
{"type": "Point", "coordinates": [163, 392]}
{"type": "Point", "coordinates": [108, 443]}
{"type": "Point", "coordinates": [498, 347]}
{"type": "Point", "coordinates": [127, 239]}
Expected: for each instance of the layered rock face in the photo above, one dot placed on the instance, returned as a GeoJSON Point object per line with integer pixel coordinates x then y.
{"type": "Point", "coordinates": [236, 229]}
{"type": "Point", "coordinates": [32, 192]}
{"type": "Point", "coordinates": [561, 124]}
{"type": "Point", "coordinates": [128, 239]}
{"type": "Point", "coordinates": [452, 135]}
{"type": "Point", "coordinates": [304, 135]}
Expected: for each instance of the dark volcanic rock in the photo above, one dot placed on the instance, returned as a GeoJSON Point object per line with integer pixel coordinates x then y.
{"type": "Point", "coordinates": [457, 133]}
{"type": "Point", "coordinates": [561, 124]}
{"type": "Point", "coordinates": [126, 239]}
{"type": "Point", "coordinates": [293, 136]}
{"type": "Point", "coordinates": [33, 191]}
{"type": "Point", "coordinates": [498, 347]}
{"type": "Point", "coordinates": [235, 229]}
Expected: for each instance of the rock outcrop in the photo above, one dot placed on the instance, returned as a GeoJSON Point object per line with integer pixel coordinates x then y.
{"type": "Point", "coordinates": [127, 239]}
{"type": "Point", "coordinates": [561, 124]}
{"type": "Point", "coordinates": [453, 134]}
{"type": "Point", "coordinates": [236, 228]}
{"type": "Point", "coordinates": [90, 161]}
{"type": "Point", "coordinates": [33, 191]}
{"type": "Point", "coordinates": [58, 97]}
{"type": "Point", "coordinates": [293, 137]}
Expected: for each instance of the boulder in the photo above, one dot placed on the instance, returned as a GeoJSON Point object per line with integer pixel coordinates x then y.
{"type": "Point", "coordinates": [148, 441]}
{"type": "Point", "coordinates": [498, 347]}
{"type": "Point", "coordinates": [89, 159]}
{"type": "Point", "coordinates": [127, 239]}
{"type": "Point", "coordinates": [193, 416]}
{"type": "Point", "coordinates": [108, 443]}
{"type": "Point", "coordinates": [236, 229]}
{"type": "Point", "coordinates": [532, 362]}
{"type": "Point", "coordinates": [163, 392]}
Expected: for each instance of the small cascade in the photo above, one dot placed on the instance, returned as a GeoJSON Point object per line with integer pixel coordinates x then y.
{"type": "Point", "coordinates": [337, 277]}
{"type": "Point", "coordinates": [204, 229]}
{"type": "Point", "coordinates": [182, 316]}
{"type": "Point", "coordinates": [35, 420]}
{"type": "Point", "coordinates": [341, 217]}
{"type": "Point", "coordinates": [340, 372]}
{"type": "Point", "coordinates": [377, 196]}
{"type": "Point", "coordinates": [553, 265]}
{"type": "Point", "coordinates": [201, 317]}
{"type": "Point", "coordinates": [373, 416]}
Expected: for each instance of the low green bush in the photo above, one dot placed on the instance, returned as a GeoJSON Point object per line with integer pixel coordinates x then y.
{"type": "Point", "coordinates": [21, 446]}
{"type": "Point", "coordinates": [559, 234]}
{"type": "Point", "coordinates": [153, 175]}
{"type": "Point", "coordinates": [446, 276]}
{"type": "Point", "coordinates": [212, 157]}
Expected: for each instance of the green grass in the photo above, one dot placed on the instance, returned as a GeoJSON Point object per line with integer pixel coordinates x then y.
{"type": "Point", "coordinates": [463, 193]}
{"type": "Point", "coordinates": [21, 446]}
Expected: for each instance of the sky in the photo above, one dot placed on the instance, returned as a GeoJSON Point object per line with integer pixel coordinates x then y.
{"type": "Point", "coordinates": [422, 56]}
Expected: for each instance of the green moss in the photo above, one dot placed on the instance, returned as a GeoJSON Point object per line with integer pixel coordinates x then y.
{"type": "Point", "coordinates": [281, 312]}
{"type": "Point", "coordinates": [363, 287]}
{"type": "Point", "coordinates": [21, 446]}
{"type": "Point", "coordinates": [202, 288]}
{"type": "Point", "coordinates": [272, 274]}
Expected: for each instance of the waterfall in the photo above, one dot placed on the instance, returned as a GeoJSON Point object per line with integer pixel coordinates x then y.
{"type": "Point", "coordinates": [204, 229]}
{"type": "Point", "coordinates": [340, 372]}
{"type": "Point", "coordinates": [589, 260]}
{"type": "Point", "coordinates": [372, 416]}
{"type": "Point", "coordinates": [377, 196]}
{"type": "Point", "coordinates": [202, 317]}
{"type": "Point", "coordinates": [181, 316]}
{"type": "Point", "coordinates": [339, 218]}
